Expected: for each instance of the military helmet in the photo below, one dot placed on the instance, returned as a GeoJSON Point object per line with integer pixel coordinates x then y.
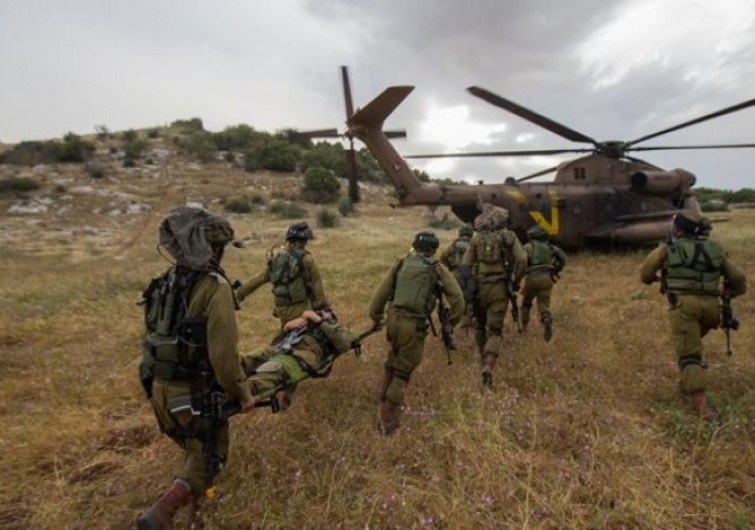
{"type": "Point", "coordinates": [188, 233]}
{"type": "Point", "coordinates": [299, 232]}
{"type": "Point", "coordinates": [535, 232]}
{"type": "Point", "coordinates": [425, 239]}
{"type": "Point", "coordinates": [689, 221]}
{"type": "Point", "coordinates": [466, 230]}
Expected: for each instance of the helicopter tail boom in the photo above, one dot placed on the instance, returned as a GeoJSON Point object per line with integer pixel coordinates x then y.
{"type": "Point", "coordinates": [367, 125]}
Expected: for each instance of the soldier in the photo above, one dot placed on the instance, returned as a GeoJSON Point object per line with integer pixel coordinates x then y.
{"type": "Point", "coordinates": [496, 257]}
{"type": "Point", "coordinates": [452, 255]}
{"type": "Point", "coordinates": [691, 268]}
{"type": "Point", "coordinates": [297, 284]}
{"type": "Point", "coordinates": [307, 348]}
{"type": "Point", "coordinates": [544, 263]}
{"type": "Point", "coordinates": [411, 290]}
{"type": "Point", "coordinates": [190, 354]}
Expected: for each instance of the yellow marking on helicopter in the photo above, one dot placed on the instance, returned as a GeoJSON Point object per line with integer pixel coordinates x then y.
{"type": "Point", "coordinates": [551, 228]}
{"type": "Point", "coordinates": [517, 196]}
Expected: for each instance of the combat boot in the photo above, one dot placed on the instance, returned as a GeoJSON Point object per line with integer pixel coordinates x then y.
{"type": "Point", "coordinates": [160, 515]}
{"type": "Point", "coordinates": [488, 366]}
{"type": "Point", "coordinates": [548, 333]}
{"type": "Point", "coordinates": [701, 408]}
{"type": "Point", "coordinates": [388, 417]}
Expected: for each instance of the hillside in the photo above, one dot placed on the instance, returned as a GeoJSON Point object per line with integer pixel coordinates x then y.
{"type": "Point", "coordinates": [583, 432]}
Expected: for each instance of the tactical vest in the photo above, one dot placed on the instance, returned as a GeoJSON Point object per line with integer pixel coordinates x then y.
{"type": "Point", "coordinates": [173, 343]}
{"type": "Point", "coordinates": [457, 251]}
{"type": "Point", "coordinates": [415, 284]}
{"type": "Point", "coordinates": [491, 253]}
{"type": "Point", "coordinates": [694, 265]}
{"type": "Point", "coordinates": [541, 258]}
{"type": "Point", "coordinates": [288, 276]}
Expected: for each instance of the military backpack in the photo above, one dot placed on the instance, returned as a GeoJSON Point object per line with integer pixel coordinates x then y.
{"type": "Point", "coordinates": [288, 276]}
{"type": "Point", "coordinates": [457, 251]}
{"type": "Point", "coordinates": [694, 265]}
{"type": "Point", "coordinates": [173, 342]}
{"type": "Point", "coordinates": [415, 284]}
{"type": "Point", "coordinates": [542, 256]}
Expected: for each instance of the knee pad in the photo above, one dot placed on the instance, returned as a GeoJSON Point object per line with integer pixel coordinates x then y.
{"type": "Point", "coordinates": [693, 374]}
{"type": "Point", "coordinates": [395, 392]}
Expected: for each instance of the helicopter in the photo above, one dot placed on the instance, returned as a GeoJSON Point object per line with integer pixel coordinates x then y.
{"type": "Point", "coordinates": [605, 197]}
{"type": "Point", "coordinates": [295, 136]}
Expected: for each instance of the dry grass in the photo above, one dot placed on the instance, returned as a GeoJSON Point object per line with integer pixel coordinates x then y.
{"type": "Point", "coordinates": [585, 432]}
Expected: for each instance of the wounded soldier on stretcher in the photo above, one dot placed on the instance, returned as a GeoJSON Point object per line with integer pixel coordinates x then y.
{"type": "Point", "coordinates": [306, 348]}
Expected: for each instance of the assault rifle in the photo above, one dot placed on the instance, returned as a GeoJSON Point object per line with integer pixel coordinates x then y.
{"type": "Point", "coordinates": [728, 322]}
{"type": "Point", "coordinates": [511, 293]}
{"type": "Point", "coordinates": [446, 329]}
{"type": "Point", "coordinates": [207, 399]}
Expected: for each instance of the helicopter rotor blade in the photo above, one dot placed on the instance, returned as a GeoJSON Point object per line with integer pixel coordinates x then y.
{"type": "Point", "coordinates": [531, 152]}
{"type": "Point", "coordinates": [395, 134]}
{"type": "Point", "coordinates": [680, 147]}
{"type": "Point", "coordinates": [319, 133]}
{"type": "Point", "coordinates": [347, 92]}
{"type": "Point", "coordinates": [641, 161]}
{"type": "Point", "coordinates": [538, 174]}
{"type": "Point", "coordinates": [722, 112]}
{"type": "Point", "coordinates": [531, 116]}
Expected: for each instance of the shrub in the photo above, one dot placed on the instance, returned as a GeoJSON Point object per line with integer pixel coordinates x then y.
{"type": "Point", "coordinates": [59, 188]}
{"type": "Point", "coordinates": [287, 210]}
{"type": "Point", "coordinates": [103, 133]}
{"type": "Point", "coordinates": [129, 136]}
{"type": "Point", "coordinates": [325, 155]}
{"type": "Point", "coordinates": [250, 162]}
{"type": "Point", "coordinates": [257, 200]}
{"type": "Point", "coordinates": [320, 186]}
{"type": "Point", "coordinates": [345, 206]}
{"type": "Point", "coordinates": [240, 137]}
{"type": "Point", "coordinates": [95, 170]}
{"type": "Point", "coordinates": [277, 155]}
{"type": "Point", "coordinates": [191, 125]}
{"type": "Point", "coordinates": [238, 205]}
{"type": "Point", "coordinates": [153, 133]}
{"type": "Point", "coordinates": [29, 154]}
{"type": "Point", "coordinates": [72, 149]}
{"type": "Point", "coordinates": [18, 185]}
{"type": "Point", "coordinates": [714, 205]}
{"type": "Point", "coordinates": [326, 218]}
{"type": "Point", "coordinates": [200, 146]}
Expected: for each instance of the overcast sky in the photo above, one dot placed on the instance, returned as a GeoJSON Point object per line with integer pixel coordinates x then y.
{"type": "Point", "coordinates": [609, 69]}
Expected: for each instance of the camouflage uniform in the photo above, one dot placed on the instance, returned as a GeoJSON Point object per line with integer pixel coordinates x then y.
{"type": "Point", "coordinates": [299, 354]}
{"type": "Point", "coordinates": [188, 234]}
{"type": "Point", "coordinates": [491, 300]}
{"type": "Point", "coordinates": [406, 328]}
{"type": "Point", "coordinates": [315, 293]}
{"type": "Point", "coordinates": [544, 261]}
{"type": "Point", "coordinates": [692, 266]}
{"type": "Point", "coordinates": [452, 257]}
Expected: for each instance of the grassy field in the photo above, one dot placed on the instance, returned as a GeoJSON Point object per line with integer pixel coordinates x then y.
{"type": "Point", "coordinates": [587, 431]}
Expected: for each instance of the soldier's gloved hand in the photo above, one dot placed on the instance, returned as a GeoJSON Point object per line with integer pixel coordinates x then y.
{"type": "Point", "coordinates": [377, 325]}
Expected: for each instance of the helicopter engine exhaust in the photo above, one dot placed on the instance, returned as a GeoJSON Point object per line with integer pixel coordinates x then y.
{"type": "Point", "coordinates": [672, 182]}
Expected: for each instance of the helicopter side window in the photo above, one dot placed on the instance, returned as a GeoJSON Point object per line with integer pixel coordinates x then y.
{"type": "Point", "coordinates": [576, 208]}
{"type": "Point", "coordinates": [579, 173]}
